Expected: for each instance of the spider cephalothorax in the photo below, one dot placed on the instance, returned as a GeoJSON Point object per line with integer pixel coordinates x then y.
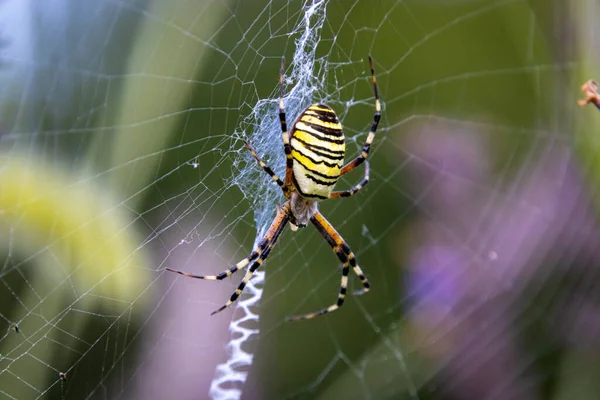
{"type": "Point", "coordinates": [314, 151]}
{"type": "Point", "coordinates": [301, 210]}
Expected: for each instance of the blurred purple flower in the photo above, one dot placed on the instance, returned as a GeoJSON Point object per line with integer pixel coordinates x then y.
{"type": "Point", "coordinates": [485, 244]}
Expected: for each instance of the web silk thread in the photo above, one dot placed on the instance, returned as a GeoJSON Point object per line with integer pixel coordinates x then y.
{"type": "Point", "coordinates": [231, 375]}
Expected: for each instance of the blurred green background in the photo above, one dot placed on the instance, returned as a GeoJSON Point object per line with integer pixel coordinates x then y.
{"type": "Point", "coordinates": [121, 146]}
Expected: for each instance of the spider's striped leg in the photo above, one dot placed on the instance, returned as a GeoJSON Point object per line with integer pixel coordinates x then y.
{"type": "Point", "coordinates": [259, 250]}
{"type": "Point", "coordinates": [340, 299]}
{"type": "Point", "coordinates": [284, 132]}
{"type": "Point", "coordinates": [361, 184]}
{"type": "Point", "coordinates": [341, 249]}
{"type": "Point", "coordinates": [367, 146]}
{"type": "Point", "coordinates": [268, 170]}
{"type": "Point", "coordinates": [228, 272]}
{"type": "Point", "coordinates": [272, 235]}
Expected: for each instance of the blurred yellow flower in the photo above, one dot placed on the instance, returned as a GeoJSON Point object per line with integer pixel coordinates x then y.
{"type": "Point", "coordinates": [69, 226]}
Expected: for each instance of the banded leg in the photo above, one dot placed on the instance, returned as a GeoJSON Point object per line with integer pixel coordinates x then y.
{"type": "Point", "coordinates": [338, 304]}
{"type": "Point", "coordinates": [367, 146]}
{"type": "Point", "coordinates": [355, 189]}
{"type": "Point", "coordinates": [228, 272]}
{"type": "Point", "coordinates": [264, 244]}
{"type": "Point", "coordinates": [284, 132]}
{"type": "Point", "coordinates": [339, 246]}
{"type": "Point", "coordinates": [347, 258]}
{"type": "Point", "coordinates": [273, 234]}
{"type": "Point", "coordinates": [269, 171]}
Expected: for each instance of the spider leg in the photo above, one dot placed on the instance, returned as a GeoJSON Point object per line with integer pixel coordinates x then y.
{"type": "Point", "coordinates": [355, 189]}
{"type": "Point", "coordinates": [367, 146]}
{"type": "Point", "coordinates": [284, 132]}
{"type": "Point", "coordinates": [271, 237]}
{"type": "Point", "coordinates": [228, 272]}
{"type": "Point", "coordinates": [269, 171]}
{"type": "Point", "coordinates": [264, 244]}
{"type": "Point", "coordinates": [341, 249]}
{"type": "Point", "coordinates": [339, 246]}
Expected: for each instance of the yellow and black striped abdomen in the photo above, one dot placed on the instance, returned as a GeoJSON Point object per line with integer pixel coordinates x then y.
{"type": "Point", "coordinates": [318, 148]}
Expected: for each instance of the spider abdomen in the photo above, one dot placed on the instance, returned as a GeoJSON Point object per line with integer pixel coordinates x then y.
{"type": "Point", "coordinates": [318, 149]}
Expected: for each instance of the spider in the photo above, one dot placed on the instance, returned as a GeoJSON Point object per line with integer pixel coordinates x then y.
{"type": "Point", "coordinates": [314, 151]}
{"type": "Point", "coordinates": [590, 89]}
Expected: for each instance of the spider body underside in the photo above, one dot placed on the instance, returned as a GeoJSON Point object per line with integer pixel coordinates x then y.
{"type": "Point", "coordinates": [314, 150]}
{"type": "Point", "coordinates": [301, 210]}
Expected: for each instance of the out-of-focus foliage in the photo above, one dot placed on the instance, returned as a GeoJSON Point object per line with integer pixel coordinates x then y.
{"type": "Point", "coordinates": [77, 250]}
{"type": "Point", "coordinates": [477, 214]}
{"type": "Point", "coordinates": [67, 218]}
{"type": "Point", "coordinates": [92, 239]}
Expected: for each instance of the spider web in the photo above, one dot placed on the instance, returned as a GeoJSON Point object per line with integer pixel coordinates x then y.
{"type": "Point", "coordinates": [121, 154]}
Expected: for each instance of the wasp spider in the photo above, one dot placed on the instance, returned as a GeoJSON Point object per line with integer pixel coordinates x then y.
{"type": "Point", "coordinates": [314, 150]}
